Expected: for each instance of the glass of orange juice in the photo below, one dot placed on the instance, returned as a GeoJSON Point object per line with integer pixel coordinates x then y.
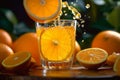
{"type": "Point", "coordinates": [56, 42]}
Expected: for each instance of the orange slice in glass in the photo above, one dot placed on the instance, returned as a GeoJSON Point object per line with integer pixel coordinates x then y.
{"type": "Point", "coordinates": [19, 60]}
{"type": "Point", "coordinates": [56, 44]}
{"type": "Point", "coordinates": [92, 58]}
{"type": "Point", "coordinates": [43, 10]}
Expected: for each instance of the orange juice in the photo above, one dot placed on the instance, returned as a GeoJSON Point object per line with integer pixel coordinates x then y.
{"type": "Point", "coordinates": [56, 44]}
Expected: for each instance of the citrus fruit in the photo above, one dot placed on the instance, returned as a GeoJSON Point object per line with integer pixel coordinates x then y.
{"type": "Point", "coordinates": [112, 58]}
{"type": "Point", "coordinates": [116, 66]}
{"type": "Point", "coordinates": [43, 10]}
{"type": "Point", "coordinates": [5, 51]}
{"type": "Point", "coordinates": [18, 61]}
{"type": "Point", "coordinates": [27, 42]}
{"type": "Point", "coordinates": [77, 49]}
{"type": "Point", "coordinates": [5, 37]}
{"type": "Point", "coordinates": [107, 40]}
{"type": "Point", "coordinates": [92, 58]}
{"type": "Point", "coordinates": [56, 44]}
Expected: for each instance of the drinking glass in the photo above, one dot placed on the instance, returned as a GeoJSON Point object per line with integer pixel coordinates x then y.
{"type": "Point", "coordinates": [56, 42]}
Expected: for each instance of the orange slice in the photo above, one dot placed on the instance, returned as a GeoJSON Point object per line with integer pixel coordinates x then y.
{"type": "Point", "coordinates": [56, 44]}
{"type": "Point", "coordinates": [43, 10]}
{"type": "Point", "coordinates": [19, 60]}
{"type": "Point", "coordinates": [92, 58]}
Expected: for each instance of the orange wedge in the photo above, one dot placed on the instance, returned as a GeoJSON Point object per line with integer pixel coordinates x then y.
{"type": "Point", "coordinates": [18, 61]}
{"type": "Point", "coordinates": [56, 44]}
{"type": "Point", "coordinates": [92, 58]}
{"type": "Point", "coordinates": [116, 66]}
{"type": "Point", "coordinates": [112, 58]}
{"type": "Point", "coordinates": [43, 10]}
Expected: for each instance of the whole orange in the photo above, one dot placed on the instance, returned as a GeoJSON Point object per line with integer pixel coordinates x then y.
{"type": "Point", "coordinates": [77, 47]}
{"type": "Point", "coordinates": [28, 42]}
{"type": "Point", "coordinates": [5, 37]}
{"type": "Point", "coordinates": [5, 51]}
{"type": "Point", "coordinates": [108, 40]}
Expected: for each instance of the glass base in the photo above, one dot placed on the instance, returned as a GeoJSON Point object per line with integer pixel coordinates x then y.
{"type": "Point", "coordinates": [56, 65]}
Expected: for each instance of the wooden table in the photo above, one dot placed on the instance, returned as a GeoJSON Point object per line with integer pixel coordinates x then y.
{"type": "Point", "coordinates": [76, 73]}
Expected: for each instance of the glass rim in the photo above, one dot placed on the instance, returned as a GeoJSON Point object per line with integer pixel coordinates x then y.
{"type": "Point", "coordinates": [58, 21]}
{"type": "Point", "coordinates": [61, 20]}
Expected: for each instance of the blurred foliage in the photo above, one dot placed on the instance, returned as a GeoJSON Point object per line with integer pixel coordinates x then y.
{"type": "Point", "coordinates": [102, 15]}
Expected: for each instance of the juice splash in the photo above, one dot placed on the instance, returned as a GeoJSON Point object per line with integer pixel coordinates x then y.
{"type": "Point", "coordinates": [76, 15]}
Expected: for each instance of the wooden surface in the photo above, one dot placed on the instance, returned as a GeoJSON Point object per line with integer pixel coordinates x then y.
{"type": "Point", "coordinates": [75, 73]}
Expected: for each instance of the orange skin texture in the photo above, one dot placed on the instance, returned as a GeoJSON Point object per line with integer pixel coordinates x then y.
{"type": "Point", "coordinates": [28, 42]}
{"type": "Point", "coordinates": [5, 51]}
{"type": "Point", "coordinates": [5, 37]}
{"type": "Point", "coordinates": [107, 40]}
{"type": "Point", "coordinates": [77, 49]}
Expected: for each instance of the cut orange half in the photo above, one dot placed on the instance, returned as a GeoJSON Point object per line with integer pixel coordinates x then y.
{"type": "Point", "coordinates": [92, 58]}
{"type": "Point", "coordinates": [17, 61]}
{"type": "Point", "coordinates": [56, 44]}
{"type": "Point", "coordinates": [43, 10]}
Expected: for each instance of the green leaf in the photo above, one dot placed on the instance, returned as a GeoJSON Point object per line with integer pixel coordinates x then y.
{"type": "Point", "coordinates": [8, 14]}
{"type": "Point", "coordinates": [101, 24]}
{"type": "Point", "coordinates": [22, 28]}
{"type": "Point", "coordinates": [7, 20]}
{"type": "Point", "coordinates": [114, 17]}
{"type": "Point", "coordinates": [85, 40]}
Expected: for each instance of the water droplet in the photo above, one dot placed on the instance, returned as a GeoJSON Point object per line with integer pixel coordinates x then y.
{"type": "Point", "coordinates": [74, 18]}
{"type": "Point", "coordinates": [82, 21]}
{"type": "Point", "coordinates": [64, 11]}
{"type": "Point", "coordinates": [64, 4]}
{"type": "Point", "coordinates": [87, 6]}
{"type": "Point", "coordinates": [84, 32]}
{"type": "Point", "coordinates": [82, 26]}
{"type": "Point", "coordinates": [83, 41]}
{"type": "Point", "coordinates": [72, 3]}
{"type": "Point", "coordinates": [66, 14]}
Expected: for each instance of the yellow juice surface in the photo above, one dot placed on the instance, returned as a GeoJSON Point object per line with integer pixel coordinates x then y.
{"type": "Point", "coordinates": [56, 43]}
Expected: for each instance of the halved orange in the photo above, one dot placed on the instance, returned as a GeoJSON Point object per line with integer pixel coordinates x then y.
{"type": "Point", "coordinates": [43, 10]}
{"type": "Point", "coordinates": [92, 58]}
{"type": "Point", "coordinates": [116, 66]}
{"type": "Point", "coordinates": [56, 44]}
{"type": "Point", "coordinates": [19, 60]}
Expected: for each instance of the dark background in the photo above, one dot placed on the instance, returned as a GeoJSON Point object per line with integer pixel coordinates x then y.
{"type": "Point", "coordinates": [16, 6]}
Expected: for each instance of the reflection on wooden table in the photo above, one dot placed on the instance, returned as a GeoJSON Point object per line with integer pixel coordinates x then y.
{"type": "Point", "coordinates": [75, 73]}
